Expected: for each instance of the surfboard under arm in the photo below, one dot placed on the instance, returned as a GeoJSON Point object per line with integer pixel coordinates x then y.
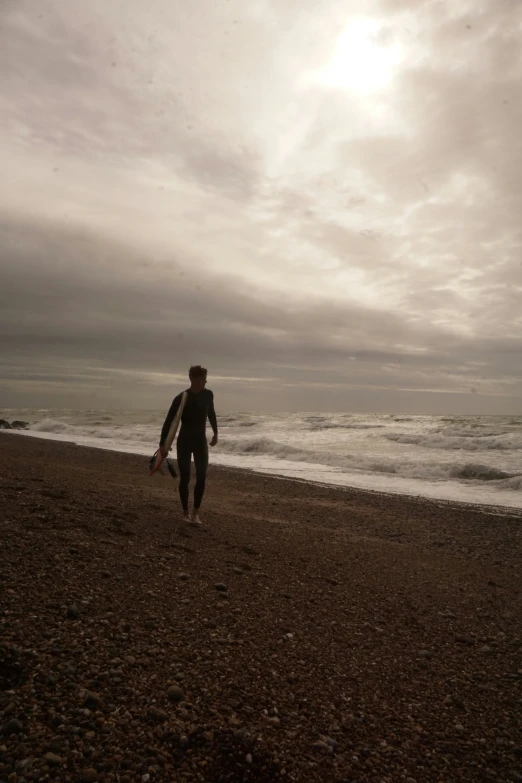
{"type": "Point", "coordinates": [169, 440]}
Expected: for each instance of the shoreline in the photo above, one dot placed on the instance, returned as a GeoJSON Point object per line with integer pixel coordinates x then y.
{"type": "Point", "coordinates": [485, 508]}
{"type": "Point", "coordinates": [303, 634]}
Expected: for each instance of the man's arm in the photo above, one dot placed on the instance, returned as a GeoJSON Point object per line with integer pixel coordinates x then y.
{"type": "Point", "coordinates": [213, 420]}
{"type": "Point", "coordinates": [170, 418]}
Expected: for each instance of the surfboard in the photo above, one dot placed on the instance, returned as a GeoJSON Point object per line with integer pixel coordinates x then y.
{"type": "Point", "coordinates": [158, 459]}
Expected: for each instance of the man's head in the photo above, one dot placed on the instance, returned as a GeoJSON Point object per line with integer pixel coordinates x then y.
{"type": "Point", "coordinates": [198, 377]}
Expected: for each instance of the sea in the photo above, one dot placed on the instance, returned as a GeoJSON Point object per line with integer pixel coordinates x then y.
{"type": "Point", "coordinates": [470, 459]}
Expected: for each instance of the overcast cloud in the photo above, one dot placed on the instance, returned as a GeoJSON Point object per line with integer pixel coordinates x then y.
{"type": "Point", "coordinates": [322, 206]}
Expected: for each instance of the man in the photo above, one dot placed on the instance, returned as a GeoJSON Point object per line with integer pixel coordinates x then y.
{"type": "Point", "coordinates": [192, 438]}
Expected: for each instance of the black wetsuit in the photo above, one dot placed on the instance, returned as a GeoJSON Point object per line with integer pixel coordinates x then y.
{"type": "Point", "coordinates": [192, 439]}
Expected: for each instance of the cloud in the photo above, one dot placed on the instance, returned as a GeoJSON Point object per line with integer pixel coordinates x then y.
{"type": "Point", "coordinates": [183, 186]}
{"type": "Point", "coordinates": [68, 314]}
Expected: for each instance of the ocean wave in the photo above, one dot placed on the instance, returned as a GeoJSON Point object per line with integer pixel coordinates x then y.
{"type": "Point", "coordinates": [453, 467]}
{"type": "Point", "coordinates": [479, 473]}
{"type": "Point", "coordinates": [354, 463]}
{"type": "Point", "coordinates": [317, 427]}
{"type": "Point", "coordinates": [138, 434]}
{"type": "Point", "coordinates": [461, 441]}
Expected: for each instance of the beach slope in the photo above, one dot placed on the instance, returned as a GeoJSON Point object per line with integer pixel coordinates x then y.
{"type": "Point", "coordinates": [304, 633]}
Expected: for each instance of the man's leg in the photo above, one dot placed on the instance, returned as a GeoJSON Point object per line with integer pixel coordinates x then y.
{"type": "Point", "coordinates": [201, 463]}
{"type": "Point", "coordinates": [183, 455]}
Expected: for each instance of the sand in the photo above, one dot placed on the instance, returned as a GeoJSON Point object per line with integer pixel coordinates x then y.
{"type": "Point", "coordinates": [305, 633]}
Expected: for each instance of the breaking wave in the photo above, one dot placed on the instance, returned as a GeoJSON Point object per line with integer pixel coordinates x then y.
{"type": "Point", "coordinates": [460, 440]}
{"type": "Point", "coordinates": [420, 470]}
{"type": "Point", "coordinates": [140, 434]}
{"type": "Point", "coordinates": [479, 472]}
{"type": "Point", "coordinates": [316, 427]}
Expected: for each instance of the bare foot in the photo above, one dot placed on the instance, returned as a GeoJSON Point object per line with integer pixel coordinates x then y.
{"type": "Point", "coordinates": [187, 517]}
{"type": "Point", "coordinates": [197, 519]}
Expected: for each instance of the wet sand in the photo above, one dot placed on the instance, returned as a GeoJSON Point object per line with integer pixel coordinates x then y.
{"type": "Point", "coordinates": [305, 633]}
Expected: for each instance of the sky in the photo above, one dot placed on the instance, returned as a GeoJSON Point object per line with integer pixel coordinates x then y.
{"type": "Point", "coordinates": [318, 201]}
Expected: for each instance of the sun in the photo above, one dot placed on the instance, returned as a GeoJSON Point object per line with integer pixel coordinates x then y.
{"type": "Point", "coordinates": [362, 60]}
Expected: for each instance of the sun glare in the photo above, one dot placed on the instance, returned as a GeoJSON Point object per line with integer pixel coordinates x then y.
{"type": "Point", "coordinates": [361, 62]}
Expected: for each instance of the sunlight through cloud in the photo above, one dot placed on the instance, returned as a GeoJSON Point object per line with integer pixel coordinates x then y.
{"type": "Point", "coordinates": [362, 60]}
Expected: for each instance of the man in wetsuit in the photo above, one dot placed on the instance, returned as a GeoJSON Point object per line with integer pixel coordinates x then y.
{"type": "Point", "coordinates": [192, 438]}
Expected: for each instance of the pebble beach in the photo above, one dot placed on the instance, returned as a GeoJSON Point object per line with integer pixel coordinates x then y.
{"type": "Point", "coordinates": [304, 633]}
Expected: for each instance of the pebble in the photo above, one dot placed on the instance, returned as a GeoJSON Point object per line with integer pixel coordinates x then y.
{"type": "Point", "coordinates": [486, 650]}
{"type": "Point", "coordinates": [426, 654]}
{"type": "Point", "coordinates": [158, 715]}
{"type": "Point", "coordinates": [221, 588]}
{"type": "Point", "coordinates": [73, 612]}
{"type": "Point", "coordinates": [93, 700]}
{"type": "Point", "coordinates": [89, 775]}
{"type": "Point", "coordinates": [130, 659]}
{"type": "Point", "coordinates": [12, 727]}
{"type": "Point", "coordinates": [106, 574]}
{"type": "Point", "coordinates": [248, 758]}
{"type": "Point", "coordinates": [174, 693]}
{"type": "Point", "coordinates": [320, 745]}
{"type": "Point", "coordinates": [464, 639]}
{"type": "Point", "coordinates": [183, 577]}
{"type": "Point", "coordinates": [238, 571]}
{"type": "Point", "coordinates": [53, 760]}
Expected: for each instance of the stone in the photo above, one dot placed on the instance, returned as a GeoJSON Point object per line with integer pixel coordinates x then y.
{"type": "Point", "coordinates": [464, 639]}
{"type": "Point", "coordinates": [12, 727]}
{"type": "Point", "coordinates": [89, 775]}
{"type": "Point", "coordinates": [322, 746]}
{"type": "Point", "coordinates": [174, 693]}
{"type": "Point", "coordinates": [53, 760]}
{"type": "Point", "coordinates": [157, 715]}
{"type": "Point", "coordinates": [73, 612]}
{"type": "Point", "coordinates": [183, 577]}
{"type": "Point", "coordinates": [221, 588]}
{"type": "Point", "coordinates": [93, 700]}
{"type": "Point", "coordinates": [427, 655]}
